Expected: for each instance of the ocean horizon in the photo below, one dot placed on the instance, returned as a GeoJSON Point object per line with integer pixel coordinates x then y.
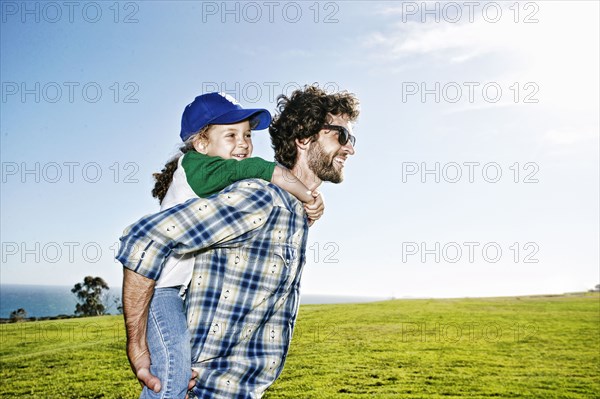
{"type": "Point", "coordinates": [53, 300]}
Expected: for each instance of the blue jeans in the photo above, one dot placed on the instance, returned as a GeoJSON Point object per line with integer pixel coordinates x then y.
{"type": "Point", "coordinates": [169, 345]}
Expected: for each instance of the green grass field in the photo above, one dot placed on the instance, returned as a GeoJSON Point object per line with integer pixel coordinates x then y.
{"type": "Point", "coordinates": [527, 347]}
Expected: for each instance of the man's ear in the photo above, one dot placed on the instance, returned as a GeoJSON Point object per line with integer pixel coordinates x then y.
{"type": "Point", "coordinates": [303, 144]}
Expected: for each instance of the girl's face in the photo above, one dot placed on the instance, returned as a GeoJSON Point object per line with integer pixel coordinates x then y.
{"type": "Point", "coordinates": [228, 141]}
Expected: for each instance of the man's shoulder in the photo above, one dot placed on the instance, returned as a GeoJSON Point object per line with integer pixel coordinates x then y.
{"type": "Point", "coordinates": [262, 188]}
{"type": "Point", "coordinates": [250, 185]}
{"type": "Point", "coordinates": [250, 191]}
{"type": "Point", "coordinates": [258, 188]}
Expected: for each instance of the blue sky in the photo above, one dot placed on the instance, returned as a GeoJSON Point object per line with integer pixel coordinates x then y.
{"type": "Point", "coordinates": [476, 171]}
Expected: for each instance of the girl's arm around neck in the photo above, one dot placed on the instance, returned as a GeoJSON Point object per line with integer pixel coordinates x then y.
{"type": "Point", "coordinates": [285, 179]}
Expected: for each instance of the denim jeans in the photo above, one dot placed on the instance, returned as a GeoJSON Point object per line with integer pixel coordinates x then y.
{"type": "Point", "coordinates": [169, 345]}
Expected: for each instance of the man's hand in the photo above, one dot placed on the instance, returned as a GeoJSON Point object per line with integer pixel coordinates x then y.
{"type": "Point", "coordinates": [137, 294]}
{"type": "Point", "coordinates": [315, 209]}
{"type": "Point", "coordinates": [139, 359]}
{"type": "Point", "coordinates": [192, 382]}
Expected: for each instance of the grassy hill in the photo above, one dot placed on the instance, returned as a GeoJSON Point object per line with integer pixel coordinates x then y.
{"type": "Point", "coordinates": [523, 347]}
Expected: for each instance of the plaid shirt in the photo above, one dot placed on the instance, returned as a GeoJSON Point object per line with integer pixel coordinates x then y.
{"type": "Point", "coordinates": [242, 302]}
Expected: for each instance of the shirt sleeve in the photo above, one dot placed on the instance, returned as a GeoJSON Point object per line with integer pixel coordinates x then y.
{"type": "Point", "coordinates": [232, 216]}
{"type": "Point", "coordinates": [209, 175]}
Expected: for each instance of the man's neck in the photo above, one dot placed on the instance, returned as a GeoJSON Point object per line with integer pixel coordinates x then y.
{"type": "Point", "coordinates": [305, 175]}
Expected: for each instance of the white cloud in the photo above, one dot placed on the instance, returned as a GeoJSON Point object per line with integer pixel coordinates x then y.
{"type": "Point", "coordinates": [559, 53]}
{"type": "Point", "coordinates": [456, 41]}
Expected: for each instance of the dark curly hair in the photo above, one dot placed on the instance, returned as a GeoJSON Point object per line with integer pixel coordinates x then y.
{"type": "Point", "coordinates": [303, 115]}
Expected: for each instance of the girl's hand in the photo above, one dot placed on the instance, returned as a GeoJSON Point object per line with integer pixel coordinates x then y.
{"type": "Point", "coordinates": [192, 382]}
{"type": "Point", "coordinates": [315, 209]}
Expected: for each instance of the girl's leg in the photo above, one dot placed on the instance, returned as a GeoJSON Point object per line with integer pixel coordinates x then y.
{"type": "Point", "coordinates": [169, 344]}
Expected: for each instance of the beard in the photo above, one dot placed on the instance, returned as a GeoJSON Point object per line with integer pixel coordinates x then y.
{"type": "Point", "coordinates": [322, 164]}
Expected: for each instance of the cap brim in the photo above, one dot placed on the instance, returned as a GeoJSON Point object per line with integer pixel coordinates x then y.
{"type": "Point", "coordinates": [262, 115]}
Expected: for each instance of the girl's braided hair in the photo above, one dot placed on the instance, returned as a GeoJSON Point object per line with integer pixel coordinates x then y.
{"type": "Point", "coordinates": [164, 178]}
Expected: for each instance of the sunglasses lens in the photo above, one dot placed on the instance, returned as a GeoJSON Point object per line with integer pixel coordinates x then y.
{"type": "Point", "coordinates": [343, 134]}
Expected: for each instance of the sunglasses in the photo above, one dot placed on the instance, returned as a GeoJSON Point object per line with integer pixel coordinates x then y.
{"type": "Point", "coordinates": [343, 134]}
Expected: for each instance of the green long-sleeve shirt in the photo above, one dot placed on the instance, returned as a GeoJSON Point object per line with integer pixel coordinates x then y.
{"type": "Point", "coordinates": [208, 175]}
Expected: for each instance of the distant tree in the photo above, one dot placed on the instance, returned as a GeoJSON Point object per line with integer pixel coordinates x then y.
{"type": "Point", "coordinates": [18, 315]}
{"type": "Point", "coordinates": [597, 288]}
{"type": "Point", "coordinates": [91, 296]}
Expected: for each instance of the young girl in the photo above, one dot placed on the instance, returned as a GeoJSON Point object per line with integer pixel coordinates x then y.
{"type": "Point", "coordinates": [217, 151]}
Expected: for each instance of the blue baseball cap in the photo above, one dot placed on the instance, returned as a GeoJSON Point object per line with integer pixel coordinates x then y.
{"type": "Point", "coordinates": [218, 109]}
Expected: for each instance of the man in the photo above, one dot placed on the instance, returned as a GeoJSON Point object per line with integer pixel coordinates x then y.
{"type": "Point", "coordinates": [249, 243]}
